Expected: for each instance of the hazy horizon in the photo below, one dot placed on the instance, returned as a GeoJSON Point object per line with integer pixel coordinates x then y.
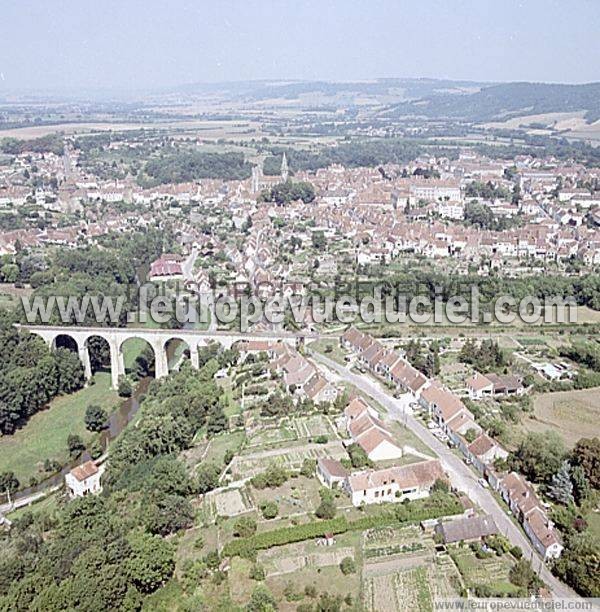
{"type": "Point", "coordinates": [67, 46]}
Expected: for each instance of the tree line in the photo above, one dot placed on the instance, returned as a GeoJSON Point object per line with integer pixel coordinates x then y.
{"type": "Point", "coordinates": [31, 375]}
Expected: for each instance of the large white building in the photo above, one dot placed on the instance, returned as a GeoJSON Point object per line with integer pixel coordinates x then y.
{"type": "Point", "coordinates": [393, 484]}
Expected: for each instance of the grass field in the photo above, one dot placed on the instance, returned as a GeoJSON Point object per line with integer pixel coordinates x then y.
{"type": "Point", "coordinates": [573, 414]}
{"type": "Point", "coordinates": [45, 435]}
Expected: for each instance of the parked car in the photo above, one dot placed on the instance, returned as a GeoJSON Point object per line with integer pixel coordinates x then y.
{"type": "Point", "coordinates": [483, 483]}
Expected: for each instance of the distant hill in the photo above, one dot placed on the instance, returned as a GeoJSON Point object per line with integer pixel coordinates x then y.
{"type": "Point", "coordinates": [499, 102]}
{"type": "Point", "coordinates": [379, 90]}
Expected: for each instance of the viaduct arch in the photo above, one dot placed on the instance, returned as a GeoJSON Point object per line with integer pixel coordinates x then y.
{"type": "Point", "coordinates": [156, 338]}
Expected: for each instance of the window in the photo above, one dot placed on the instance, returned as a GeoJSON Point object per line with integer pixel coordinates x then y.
{"type": "Point", "coordinates": [376, 493]}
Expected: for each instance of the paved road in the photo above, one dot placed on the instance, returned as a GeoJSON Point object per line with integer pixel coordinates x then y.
{"type": "Point", "coordinates": [461, 476]}
{"type": "Point", "coordinates": [25, 501]}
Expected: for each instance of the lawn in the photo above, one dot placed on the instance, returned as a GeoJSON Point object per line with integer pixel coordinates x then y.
{"type": "Point", "coordinates": [45, 434]}
{"type": "Point", "coordinates": [221, 443]}
{"type": "Point", "coordinates": [330, 348]}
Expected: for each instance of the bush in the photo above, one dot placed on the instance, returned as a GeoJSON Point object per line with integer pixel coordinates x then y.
{"type": "Point", "coordinates": [244, 527]}
{"type": "Point", "coordinates": [95, 418]}
{"type": "Point", "coordinates": [516, 552]}
{"type": "Point", "coordinates": [308, 467]}
{"type": "Point", "coordinates": [257, 572]}
{"type": "Point", "coordinates": [269, 510]}
{"type": "Point", "coordinates": [348, 566]}
{"type": "Point", "coordinates": [273, 477]}
{"type": "Point", "coordinates": [124, 388]}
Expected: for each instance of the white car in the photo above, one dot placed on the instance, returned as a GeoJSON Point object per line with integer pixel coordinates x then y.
{"type": "Point", "coordinates": [484, 483]}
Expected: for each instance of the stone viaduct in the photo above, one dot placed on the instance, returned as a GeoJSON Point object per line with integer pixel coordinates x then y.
{"type": "Point", "coordinates": [157, 339]}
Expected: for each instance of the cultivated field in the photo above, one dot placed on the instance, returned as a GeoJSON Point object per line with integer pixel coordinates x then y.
{"type": "Point", "coordinates": [248, 466]}
{"type": "Point", "coordinates": [573, 414]}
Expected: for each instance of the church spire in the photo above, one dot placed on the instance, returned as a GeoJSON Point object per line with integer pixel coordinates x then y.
{"type": "Point", "coordinates": [284, 168]}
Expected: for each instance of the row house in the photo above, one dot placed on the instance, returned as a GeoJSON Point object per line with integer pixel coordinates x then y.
{"type": "Point", "coordinates": [529, 511]}
{"type": "Point", "coordinates": [449, 412]}
{"type": "Point", "coordinates": [368, 431]}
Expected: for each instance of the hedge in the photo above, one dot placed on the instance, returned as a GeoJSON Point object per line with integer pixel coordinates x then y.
{"type": "Point", "coordinates": [435, 506]}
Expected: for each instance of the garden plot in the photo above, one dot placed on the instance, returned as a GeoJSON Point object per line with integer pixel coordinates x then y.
{"type": "Point", "coordinates": [444, 579]}
{"type": "Point", "coordinates": [294, 557]}
{"type": "Point", "coordinates": [406, 590]}
{"type": "Point", "coordinates": [247, 466]}
{"type": "Point", "coordinates": [262, 436]}
{"type": "Point", "coordinates": [231, 502]}
{"type": "Point", "coordinates": [312, 426]}
{"type": "Point", "coordinates": [380, 544]}
{"type": "Point", "coordinates": [294, 497]}
{"type": "Point", "coordinates": [492, 572]}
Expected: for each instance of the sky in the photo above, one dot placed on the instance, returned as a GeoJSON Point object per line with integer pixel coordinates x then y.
{"type": "Point", "coordinates": [132, 45]}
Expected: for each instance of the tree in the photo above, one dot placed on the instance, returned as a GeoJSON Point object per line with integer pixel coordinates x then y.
{"type": "Point", "coordinates": [539, 456]}
{"type": "Point", "coordinates": [587, 455]}
{"type": "Point", "coordinates": [70, 371]}
{"type": "Point", "coordinates": [8, 482]}
{"type": "Point", "coordinates": [358, 456]}
{"type": "Point", "coordinates": [207, 477]}
{"type": "Point", "coordinates": [308, 467]}
{"type": "Point", "coordinates": [169, 514]}
{"type": "Point", "coordinates": [318, 240]}
{"type": "Point", "coordinates": [561, 487]}
{"type": "Point", "coordinates": [579, 564]}
{"type": "Point", "coordinates": [261, 601]}
{"type": "Point", "coordinates": [217, 421]}
{"type": "Point", "coordinates": [95, 418]}
{"type": "Point", "coordinates": [523, 575]}
{"type": "Point", "coordinates": [75, 445]}
{"type": "Point", "coordinates": [151, 562]}
{"type": "Point", "coordinates": [326, 509]}
{"type": "Point", "coordinates": [348, 566]}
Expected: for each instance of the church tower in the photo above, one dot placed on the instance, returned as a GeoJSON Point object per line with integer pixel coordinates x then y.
{"type": "Point", "coordinates": [284, 168]}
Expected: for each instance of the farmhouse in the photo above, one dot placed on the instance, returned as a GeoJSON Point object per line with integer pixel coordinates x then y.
{"type": "Point", "coordinates": [467, 529]}
{"type": "Point", "coordinates": [393, 484]}
{"type": "Point", "coordinates": [330, 472]}
{"type": "Point", "coordinates": [167, 267]}
{"type": "Point", "coordinates": [84, 479]}
{"type": "Point", "coordinates": [493, 385]}
{"type": "Point", "coordinates": [449, 412]}
{"type": "Point", "coordinates": [319, 390]}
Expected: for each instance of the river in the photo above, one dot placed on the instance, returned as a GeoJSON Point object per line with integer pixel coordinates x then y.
{"type": "Point", "coordinates": [117, 422]}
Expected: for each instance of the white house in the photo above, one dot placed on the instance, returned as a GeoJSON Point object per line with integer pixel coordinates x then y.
{"type": "Point", "coordinates": [84, 479]}
{"type": "Point", "coordinates": [393, 484]}
{"type": "Point", "coordinates": [369, 432]}
{"type": "Point", "coordinates": [330, 472]}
